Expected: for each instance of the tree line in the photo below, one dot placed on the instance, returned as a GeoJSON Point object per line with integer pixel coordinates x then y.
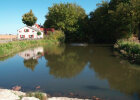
{"type": "Point", "coordinates": [109, 22]}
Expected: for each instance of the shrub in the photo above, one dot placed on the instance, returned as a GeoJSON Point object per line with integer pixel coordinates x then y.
{"type": "Point", "coordinates": [38, 33]}
{"type": "Point", "coordinates": [39, 95]}
{"type": "Point", "coordinates": [129, 49]}
{"type": "Point", "coordinates": [57, 35]}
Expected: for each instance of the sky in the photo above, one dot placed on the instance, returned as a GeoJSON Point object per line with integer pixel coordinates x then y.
{"type": "Point", "coordinates": [11, 11]}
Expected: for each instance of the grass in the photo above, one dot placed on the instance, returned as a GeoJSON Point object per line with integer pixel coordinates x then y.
{"type": "Point", "coordinates": [9, 48]}
{"type": "Point", "coordinates": [129, 49]}
{"type": "Point", "coordinates": [39, 95]}
{"type": "Point", "coordinates": [15, 46]}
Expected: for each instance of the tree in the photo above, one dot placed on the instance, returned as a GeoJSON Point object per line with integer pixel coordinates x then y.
{"type": "Point", "coordinates": [135, 4]}
{"type": "Point", "coordinates": [113, 3]}
{"type": "Point", "coordinates": [100, 21]}
{"type": "Point", "coordinates": [68, 18]}
{"type": "Point", "coordinates": [29, 18]}
{"type": "Point", "coordinates": [38, 33]}
{"type": "Point", "coordinates": [114, 20]}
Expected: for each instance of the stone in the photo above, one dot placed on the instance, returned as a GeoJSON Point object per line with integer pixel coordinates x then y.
{"type": "Point", "coordinates": [8, 95]}
{"type": "Point", "coordinates": [29, 98]}
{"type": "Point", "coordinates": [16, 88]}
{"type": "Point", "coordinates": [65, 98]}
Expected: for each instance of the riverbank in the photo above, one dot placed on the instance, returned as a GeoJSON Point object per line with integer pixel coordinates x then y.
{"type": "Point", "coordinates": [15, 46]}
{"type": "Point", "coordinates": [6, 94]}
{"type": "Point", "coordinates": [52, 39]}
{"type": "Point", "coordinates": [129, 49]}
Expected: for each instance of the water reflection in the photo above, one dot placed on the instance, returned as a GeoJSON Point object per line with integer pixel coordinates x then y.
{"type": "Point", "coordinates": [33, 53]}
{"type": "Point", "coordinates": [31, 57]}
{"type": "Point", "coordinates": [65, 64]}
{"type": "Point", "coordinates": [120, 74]}
{"type": "Point", "coordinates": [69, 61]}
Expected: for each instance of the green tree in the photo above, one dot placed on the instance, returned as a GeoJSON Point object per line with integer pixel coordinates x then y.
{"type": "Point", "coordinates": [29, 18]}
{"type": "Point", "coordinates": [135, 10]}
{"type": "Point", "coordinates": [100, 21]}
{"type": "Point", "coordinates": [68, 18]}
{"type": "Point", "coordinates": [114, 20]}
{"type": "Point", "coordinates": [38, 33]}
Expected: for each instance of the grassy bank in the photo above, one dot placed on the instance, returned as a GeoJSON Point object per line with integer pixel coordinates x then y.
{"type": "Point", "coordinates": [129, 49]}
{"type": "Point", "coordinates": [9, 48]}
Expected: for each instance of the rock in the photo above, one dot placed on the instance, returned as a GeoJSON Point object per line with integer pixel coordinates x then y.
{"type": "Point", "coordinates": [29, 98]}
{"type": "Point", "coordinates": [8, 95]}
{"type": "Point", "coordinates": [38, 87]}
{"type": "Point", "coordinates": [16, 88]}
{"type": "Point", "coordinates": [98, 99]}
{"type": "Point", "coordinates": [65, 98]}
{"type": "Point", "coordinates": [19, 93]}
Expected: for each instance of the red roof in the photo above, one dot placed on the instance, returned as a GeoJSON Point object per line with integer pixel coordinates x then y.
{"type": "Point", "coordinates": [44, 29]}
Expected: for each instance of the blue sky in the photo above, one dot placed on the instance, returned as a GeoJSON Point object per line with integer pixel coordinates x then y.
{"type": "Point", "coordinates": [11, 11]}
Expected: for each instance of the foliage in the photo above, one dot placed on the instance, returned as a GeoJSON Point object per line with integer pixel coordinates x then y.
{"type": "Point", "coordinates": [29, 19]}
{"type": "Point", "coordinates": [57, 35]}
{"type": "Point", "coordinates": [68, 18]}
{"type": "Point", "coordinates": [38, 33]}
{"type": "Point", "coordinates": [39, 95]}
{"type": "Point", "coordinates": [129, 49]}
{"type": "Point", "coordinates": [115, 20]}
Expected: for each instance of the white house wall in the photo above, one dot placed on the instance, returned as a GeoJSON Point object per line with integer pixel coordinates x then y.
{"type": "Point", "coordinates": [31, 32]}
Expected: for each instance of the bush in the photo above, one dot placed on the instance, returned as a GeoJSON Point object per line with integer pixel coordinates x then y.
{"type": "Point", "coordinates": [57, 35]}
{"type": "Point", "coordinates": [38, 33]}
{"type": "Point", "coordinates": [129, 49]}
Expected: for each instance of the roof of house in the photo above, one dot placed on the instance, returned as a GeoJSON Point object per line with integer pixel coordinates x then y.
{"type": "Point", "coordinates": [36, 29]}
{"type": "Point", "coordinates": [33, 28]}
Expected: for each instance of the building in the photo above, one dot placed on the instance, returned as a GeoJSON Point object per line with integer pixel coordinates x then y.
{"type": "Point", "coordinates": [29, 32]}
{"type": "Point", "coordinates": [45, 30]}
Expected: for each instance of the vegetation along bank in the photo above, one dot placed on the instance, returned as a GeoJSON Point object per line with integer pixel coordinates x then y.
{"type": "Point", "coordinates": [52, 39]}
{"type": "Point", "coordinates": [129, 49]}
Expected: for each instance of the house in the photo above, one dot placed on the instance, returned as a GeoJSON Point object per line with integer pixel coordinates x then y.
{"type": "Point", "coordinates": [45, 30]}
{"type": "Point", "coordinates": [29, 32]}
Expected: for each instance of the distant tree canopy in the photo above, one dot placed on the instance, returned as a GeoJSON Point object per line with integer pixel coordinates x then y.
{"type": "Point", "coordinates": [69, 18]}
{"type": "Point", "coordinates": [114, 20]}
{"type": "Point", "coordinates": [29, 18]}
{"type": "Point", "coordinates": [109, 22]}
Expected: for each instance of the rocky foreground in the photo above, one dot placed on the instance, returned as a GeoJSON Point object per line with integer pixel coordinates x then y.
{"type": "Point", "coordinates": [6, 94]}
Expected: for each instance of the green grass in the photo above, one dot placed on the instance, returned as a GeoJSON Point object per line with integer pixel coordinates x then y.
{"type": "Point", "coordinates": [129, 49]}
{"type": "Point", "coordinates": [7, 49]}
{"type": "Point", "coordinates": [39, 95]}
{"type": "Point", "coordinates": [15, 46]}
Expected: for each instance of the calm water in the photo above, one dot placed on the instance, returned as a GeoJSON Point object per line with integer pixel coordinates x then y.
{"type": "Point", "coordinates": [88, 71]}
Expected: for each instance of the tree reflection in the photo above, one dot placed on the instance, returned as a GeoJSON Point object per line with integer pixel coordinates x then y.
{"type": "Point", "coordinates": [31, 63]}
{"type": "Point", "coordinates": [69, 61]}
{"type": "Point", "coordinates": [31, 57]}
{"type": "Point", "coordinates": [68, 64]}
{"type": "Point", "coordinates": [54, 50]}
{"type": "Point", "coordinates": [120, 74]}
